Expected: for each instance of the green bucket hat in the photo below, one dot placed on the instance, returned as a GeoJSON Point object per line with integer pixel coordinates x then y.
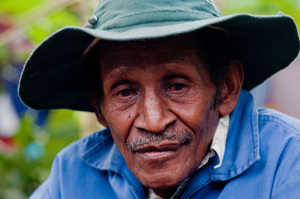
{"type": "Point", "coordinates": [51, 76]}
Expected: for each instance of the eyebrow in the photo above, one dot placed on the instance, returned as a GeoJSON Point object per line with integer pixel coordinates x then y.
{"type": "Point", "coordinates": [175, 75]}
{"type": "Point", "coordinates": [119, 77]}
{"type": "Point", "coordinates": [118, 74]}
{"type": "Point", "coordinates": [117, 70]}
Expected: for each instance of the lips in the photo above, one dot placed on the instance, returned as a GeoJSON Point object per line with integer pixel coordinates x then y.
{"type": "Point", "coordinates": [157, 151]}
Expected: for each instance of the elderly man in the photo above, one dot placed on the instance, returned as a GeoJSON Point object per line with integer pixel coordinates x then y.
{"type": "Point", "coordinates": [169, 80]}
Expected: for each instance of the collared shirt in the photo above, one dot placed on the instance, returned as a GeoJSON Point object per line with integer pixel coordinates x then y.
{"type": "Point", "coordinates": [217, 148]}
{"type": "Point", "coordinates": [261, 160]}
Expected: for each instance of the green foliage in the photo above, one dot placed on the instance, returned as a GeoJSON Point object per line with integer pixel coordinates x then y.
{"type": "Point", "coordinates": [23, 170]}
{"type": "Point", "coordinates": [40, 27]}
{"type": "Point", "coordinates": [4, 54]}
{"type": "Point", "coordinates": [13, 7]}
{"type": "Point", "coordinates": [38, 32]}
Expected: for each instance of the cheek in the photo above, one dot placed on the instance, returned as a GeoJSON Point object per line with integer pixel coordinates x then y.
{"type": "Point", "coordinates": [194, 111]}
{"type": "Point", "coordinates": [119, 121]}
{"type": "Point", "coordinates": [198, 115]}
{"type": "Point", "coordinates": [120, 134]}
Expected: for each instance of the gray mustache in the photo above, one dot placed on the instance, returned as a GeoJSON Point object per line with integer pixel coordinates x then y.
{"type": "Point", "coordinates": [147, 137]}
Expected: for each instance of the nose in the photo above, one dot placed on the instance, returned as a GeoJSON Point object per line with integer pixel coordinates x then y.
{"type": "Point", "coordinates": [154, 113]}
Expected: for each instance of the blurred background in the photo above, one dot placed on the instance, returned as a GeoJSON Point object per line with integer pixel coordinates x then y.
{"type": "Point", "coordinates": [30, 139]}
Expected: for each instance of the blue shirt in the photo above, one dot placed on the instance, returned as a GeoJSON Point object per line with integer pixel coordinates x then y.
{"type": "Point", "coordinates": [261, 160]}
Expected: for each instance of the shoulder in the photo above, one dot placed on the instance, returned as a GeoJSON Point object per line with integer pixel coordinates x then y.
{"type": "Point", "coordinates": [83, 145]}
{"type": "Point", "coordinates": [76, 166]}
{"type": "Point", "coordinates": [76, 155]}
{"type": "Point", "coordinates": [279, 133]}
{"type": "Point", "coordinates": [82, 157]}
{"type": "Point", "coordinates": [278, 122]}
{"type": "Point", "coordinates": [280, 149]}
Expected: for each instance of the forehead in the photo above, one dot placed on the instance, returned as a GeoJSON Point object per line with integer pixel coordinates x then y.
{"type": "Point", "coordinates": [181, 42]}
{"type": "Point", "coordinates": [173, 49]}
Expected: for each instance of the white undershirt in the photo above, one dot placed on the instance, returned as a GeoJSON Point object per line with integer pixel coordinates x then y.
{"type": "Point", "coordinates": [217, 148]}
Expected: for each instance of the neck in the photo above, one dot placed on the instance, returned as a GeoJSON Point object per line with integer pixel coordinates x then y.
{"type": "Point", "coordinates": [165, 193]}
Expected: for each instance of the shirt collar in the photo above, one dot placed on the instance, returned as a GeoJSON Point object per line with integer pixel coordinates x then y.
{"type": "Point", "coordinates": [99, 151]}
{"type": "Point", "coordinates": [242, 145]}
{"type": "Point", "coordinates": [219, 142]}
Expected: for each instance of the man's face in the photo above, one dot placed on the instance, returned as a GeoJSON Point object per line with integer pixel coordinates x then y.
{"type": "Point", "coordinates": [158, 103]}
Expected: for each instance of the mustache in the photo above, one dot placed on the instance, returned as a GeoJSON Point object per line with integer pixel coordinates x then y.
{"type": "Point", "coordinates": [146, 137]}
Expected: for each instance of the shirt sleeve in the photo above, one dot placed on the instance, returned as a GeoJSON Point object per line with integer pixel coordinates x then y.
{"type": "Point", "coordinates": [41, 192]}
{"type": "Point", "coordinates": [50, 189]}
{"type": "Point", "coordinates": [291, 189]}
{"type": "Point", "coordinates": [287, 179]}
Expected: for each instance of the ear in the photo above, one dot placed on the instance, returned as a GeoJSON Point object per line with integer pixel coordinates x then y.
{"type": "Point", "coordinates": [97, 110]}
{"type": "Point", "coordinates": [231, 89]}
{"type": "Point", "coordinates": [101, 119]}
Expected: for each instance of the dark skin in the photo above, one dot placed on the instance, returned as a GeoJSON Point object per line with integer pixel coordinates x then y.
{"type": "Point", "coordinates": [162, 86]}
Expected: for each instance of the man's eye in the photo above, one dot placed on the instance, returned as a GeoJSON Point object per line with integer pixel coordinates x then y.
{"type": "Point", "coordinates": [125, 93]}
{"type": "Point", "coordinates": [177, 87]}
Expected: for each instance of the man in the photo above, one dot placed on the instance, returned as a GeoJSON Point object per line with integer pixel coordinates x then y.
{"type": "Point", "coordinates": [169, 80]}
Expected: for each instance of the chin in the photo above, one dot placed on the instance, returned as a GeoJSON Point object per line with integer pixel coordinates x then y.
{"type": "Point", "coordinates": [162, 183]}
{"type": "Point", "coordinates": [163, 180]}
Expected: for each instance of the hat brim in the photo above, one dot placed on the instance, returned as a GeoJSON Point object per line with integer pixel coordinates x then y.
{"type": "Point", "coordinates": [51, 77]}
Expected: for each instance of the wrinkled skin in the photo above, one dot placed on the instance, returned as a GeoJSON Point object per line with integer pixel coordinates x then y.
{"type": "Point", "coordinates": [160, 87]}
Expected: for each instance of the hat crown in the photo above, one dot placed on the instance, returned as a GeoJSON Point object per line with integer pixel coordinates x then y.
{"type": "Point", "coordinates": [125, 14]}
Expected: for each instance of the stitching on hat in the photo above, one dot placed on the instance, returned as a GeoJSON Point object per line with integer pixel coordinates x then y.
{"type": "Point", "coordinates": [204, 14]}
{"type": "Point", "coordinates": [209, 2]}
{"type": "Point", "coordinates": [174, 11]}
